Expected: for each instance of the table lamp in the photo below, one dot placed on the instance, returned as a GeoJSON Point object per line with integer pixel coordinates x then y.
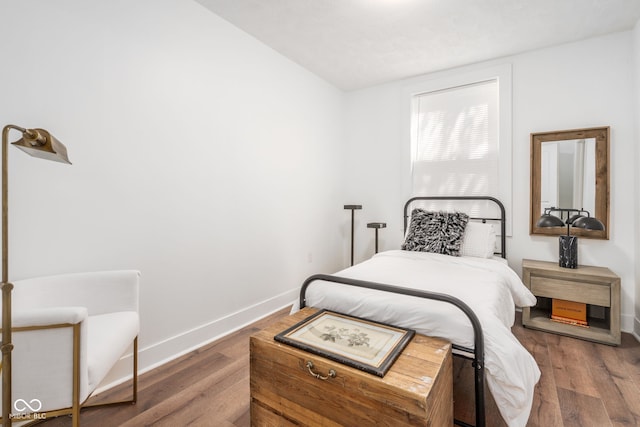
{"type": "Point", "coordinates": [568, 244]}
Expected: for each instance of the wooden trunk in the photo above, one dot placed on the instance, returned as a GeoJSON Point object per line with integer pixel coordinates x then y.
{"type": "Point", "coordinates": [416, 391]}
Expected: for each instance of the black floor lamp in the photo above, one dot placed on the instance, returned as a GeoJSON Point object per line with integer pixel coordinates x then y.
{"type": "Point", "coordinates": [377, 226]}
{"type": "Point", "coordinates": [37, 143]}
{"type": "Point", "coordinates": [352, 208]}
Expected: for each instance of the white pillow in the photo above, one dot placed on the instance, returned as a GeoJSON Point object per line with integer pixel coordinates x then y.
{"type": "Point", "coordinates": [479, 240]}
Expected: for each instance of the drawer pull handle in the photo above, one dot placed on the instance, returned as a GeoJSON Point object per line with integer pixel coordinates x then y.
{"type": "Point", "coordinates": [332, 373]}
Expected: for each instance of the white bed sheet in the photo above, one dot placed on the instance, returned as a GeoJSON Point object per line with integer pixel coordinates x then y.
{"type": "Point", "coordinates": [490, 287]}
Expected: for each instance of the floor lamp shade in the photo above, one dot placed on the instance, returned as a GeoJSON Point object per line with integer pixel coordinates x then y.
{"type": "Point", "coordinates": [41, 144]}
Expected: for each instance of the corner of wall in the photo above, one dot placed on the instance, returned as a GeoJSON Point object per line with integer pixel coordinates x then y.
{"type": "Point", "coordinates": [636, 81]}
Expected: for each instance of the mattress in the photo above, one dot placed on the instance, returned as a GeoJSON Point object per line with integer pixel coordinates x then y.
{"type": "Point", "coordinates": [490, 288]}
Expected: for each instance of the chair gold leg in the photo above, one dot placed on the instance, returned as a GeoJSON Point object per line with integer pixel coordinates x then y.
{"type": "Point", "coordinates": [134, 394]}
{"type": "Point", "coordinates": [75, 410]}
{"type": "Point", "coordinates": [135, 371]}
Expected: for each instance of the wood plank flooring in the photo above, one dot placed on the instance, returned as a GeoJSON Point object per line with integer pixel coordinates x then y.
{"type": "Point", "coordinates": [583, 384]}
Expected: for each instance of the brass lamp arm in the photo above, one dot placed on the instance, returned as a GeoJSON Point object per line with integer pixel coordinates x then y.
{"type": "Point", "coordinates": [5, 187]}
{"type": "Point", "coordinates": [9, 127]}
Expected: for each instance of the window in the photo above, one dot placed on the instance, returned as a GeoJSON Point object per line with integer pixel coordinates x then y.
{"type": "Point", "coordinates": [455, 147]}
{"type": "Point", "coordinates": [461, 138]}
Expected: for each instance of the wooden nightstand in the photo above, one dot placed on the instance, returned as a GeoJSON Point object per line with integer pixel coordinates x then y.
{"type": "Point", "coordinates": [598, 287]}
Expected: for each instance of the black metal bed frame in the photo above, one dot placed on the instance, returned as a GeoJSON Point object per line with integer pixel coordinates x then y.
{"type": "Point", "coordinates": [478, 348]}
{"type": "Point", "coordinates": [502, 219]}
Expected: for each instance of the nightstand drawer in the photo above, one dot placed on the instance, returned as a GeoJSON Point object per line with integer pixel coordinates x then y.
{"type": "Point", "coordinates": [588, 293]}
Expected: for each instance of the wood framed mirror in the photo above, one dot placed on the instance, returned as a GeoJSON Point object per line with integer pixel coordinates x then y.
{"type": "Point", "coordinates": [570, 170]}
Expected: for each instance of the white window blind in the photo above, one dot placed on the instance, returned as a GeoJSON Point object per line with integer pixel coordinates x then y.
{"type": "Point", "coordinates": [455, 142]}
{"type": "Point", "coordinates": [455, 149]}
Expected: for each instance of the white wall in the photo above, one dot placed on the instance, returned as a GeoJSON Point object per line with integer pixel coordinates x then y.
{"type": "Point", "coordinates": [201, 157]}
{"type": "Point", "coordinates": [576, 85]}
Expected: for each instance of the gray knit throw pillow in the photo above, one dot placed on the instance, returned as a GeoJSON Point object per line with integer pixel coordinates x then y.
{"type": "Point", "coordinates": [437, 232]}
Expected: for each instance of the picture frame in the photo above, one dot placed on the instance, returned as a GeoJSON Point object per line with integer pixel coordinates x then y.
{"type": "Point", "coordinates": [363, 344]}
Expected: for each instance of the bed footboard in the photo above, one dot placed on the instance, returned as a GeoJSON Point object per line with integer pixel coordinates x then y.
{"type": "Point", "coordinates": [478, 350]}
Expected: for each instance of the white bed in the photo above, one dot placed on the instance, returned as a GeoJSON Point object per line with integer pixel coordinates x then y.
{"type": "Point", "coordinates": [488, 286]}
{"type": "Point", "coordinates": [473, 276]}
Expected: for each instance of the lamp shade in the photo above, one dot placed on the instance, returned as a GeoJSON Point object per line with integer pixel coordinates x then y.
{"type": "Point", "coordinates": [41, 144]}
{"type": "Point", "coordinates": [588, 223]}
{"type": "Point", "coordinates": [548, 220]}
{"type": "Point", "coordinates": [568, 244]}
{"type": "Point", "coordinates": [573, 218]}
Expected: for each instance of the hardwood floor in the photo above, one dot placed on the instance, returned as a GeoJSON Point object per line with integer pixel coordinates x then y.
{"type": "Point", "coordinates": [583, 384]}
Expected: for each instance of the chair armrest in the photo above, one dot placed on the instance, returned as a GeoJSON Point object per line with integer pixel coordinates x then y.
{"type": "Point", "coordinates": [100, 292]}
{"type": "Point", "coordinates": [42, 363]}
{"type": "Point", "coordinates": [45, 317]}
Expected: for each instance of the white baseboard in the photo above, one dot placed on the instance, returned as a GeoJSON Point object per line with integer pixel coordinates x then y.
{"type": "Point", "coordinates": [627, 323]}
{"type": "Point", "coordinates": [636, 329]}
{"type": "Point", "coordinates": [160, 353]}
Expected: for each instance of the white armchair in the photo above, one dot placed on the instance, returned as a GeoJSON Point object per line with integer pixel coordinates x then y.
{"type": "Point", "coordinates": [68, 332]}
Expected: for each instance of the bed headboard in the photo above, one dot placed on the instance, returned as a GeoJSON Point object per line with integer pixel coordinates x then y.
{"type": "Point", "coordinates": [501, 219]}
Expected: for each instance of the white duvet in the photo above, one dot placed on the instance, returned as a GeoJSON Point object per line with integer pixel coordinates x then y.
{"type": "Point", "coordinates": [488, 286]}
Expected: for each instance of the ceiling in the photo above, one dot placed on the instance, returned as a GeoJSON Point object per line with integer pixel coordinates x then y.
{"type": "Point", "coordinates": [359, 43]}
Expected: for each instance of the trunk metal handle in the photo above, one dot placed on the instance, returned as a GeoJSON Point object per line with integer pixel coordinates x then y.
{"type": "Point", "coordinates": [331, 374]}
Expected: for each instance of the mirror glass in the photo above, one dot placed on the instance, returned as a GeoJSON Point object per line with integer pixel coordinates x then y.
{"type": "Point", "coordinates": [570, 170]}
{"type": "Point", "coordinates": [568, 174]}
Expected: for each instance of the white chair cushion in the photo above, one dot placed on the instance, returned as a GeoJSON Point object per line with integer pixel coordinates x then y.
{"type": "Point", "coordinates": [109, 336]}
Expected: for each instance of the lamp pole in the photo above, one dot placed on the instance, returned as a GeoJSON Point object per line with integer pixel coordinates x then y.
{"type": "Point", "coordinates": [7, 287]}
{"type": "Point", "coordinates": [353, 208]}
